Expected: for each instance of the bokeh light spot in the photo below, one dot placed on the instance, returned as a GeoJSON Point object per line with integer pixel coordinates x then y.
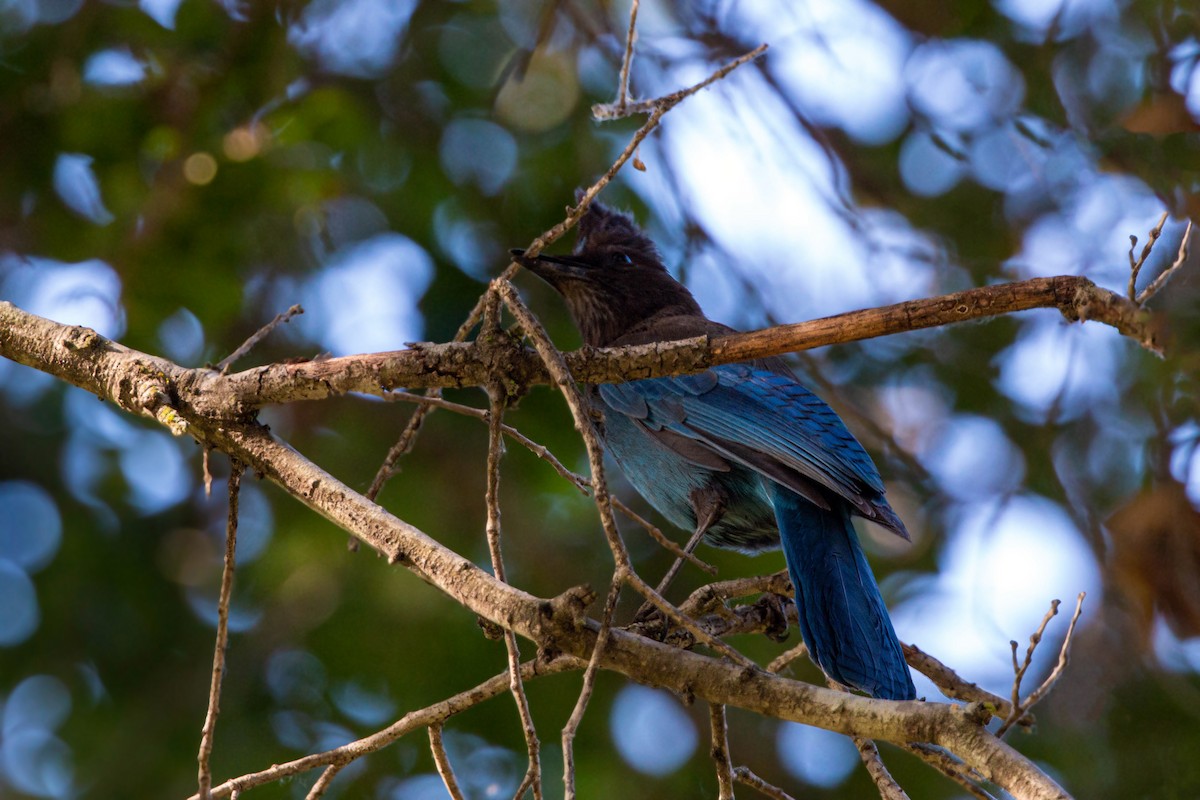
{"type": "Point", "coordinates": [651, 731]}
{"type": "Point", "coordinates": [200, 168]}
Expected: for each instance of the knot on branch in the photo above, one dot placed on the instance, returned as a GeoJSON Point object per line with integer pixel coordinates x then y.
{"type": "Point", "coordinates": [976, 712]}
{"type": "Point", "coordinates": [152, 397]}
{"type": "Point", "coordinates": [570, 606]}
{"type": "Point", "coordinates": [506, 362]}
{"type": "Point", "coordinates": [80, 338]}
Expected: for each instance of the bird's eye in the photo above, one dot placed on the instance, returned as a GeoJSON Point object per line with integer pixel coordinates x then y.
{"type": "Point", "coordinates": [622, 259]}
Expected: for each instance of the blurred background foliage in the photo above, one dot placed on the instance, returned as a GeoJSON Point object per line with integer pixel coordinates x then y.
{"type": "Point", "coordinates": [174, 173]}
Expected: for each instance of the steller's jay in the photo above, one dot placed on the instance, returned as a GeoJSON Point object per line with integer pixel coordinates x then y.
{"type": "Point", "coordinates": [741, 454]}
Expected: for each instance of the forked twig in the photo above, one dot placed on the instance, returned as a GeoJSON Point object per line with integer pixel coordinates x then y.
{"type": "Point", "coordinates": [1020, 707]}
{"type": "Point", "coordinates": [1135, 267]}
{"type": "Point", "coordinates": [1166, 274]}
{"type": "Point", "coordinates": [610, 111]}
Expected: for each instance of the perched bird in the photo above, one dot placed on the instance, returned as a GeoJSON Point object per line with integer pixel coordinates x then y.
{"type": "Point", "coordinates": [741, 454]}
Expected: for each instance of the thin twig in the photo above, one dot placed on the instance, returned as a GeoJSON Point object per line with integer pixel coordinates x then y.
{"type": "Point", "coordinates": [1166, 274]}
{"type": "Point", "coordinates": [720, 750]}
{"type": "Point", "coordinates": [405, 442]}
{"type": "Point", "coordinates": [783, 659]}
{"type": "Point", "coordinates": [1019, 669]}
{"type": "Point", "coordinates": [627, 61]}
{"type": "Point", "coordinates": [441, 760]}
{"type": "Point", "coordinates": [744, 775]}
{"type": "Point", "coordinates": [884, 782]}
{"type": "Point", "coordinates": [674, 570]}
{"type": "Point", "coordinates": [589, 684]}
{"type": "Point", "coordinates": [322, 783]}
{"type": "Point", "coordinates": [1135, 267]}
{"type": "Point", "coordinates": [657, 535]}
{"type": "Point", "coordinates": [204, 777]}
{"type": "Point", "coordinates": [533, 775]}
{"type": "Point", "coordinates": [224, 364]}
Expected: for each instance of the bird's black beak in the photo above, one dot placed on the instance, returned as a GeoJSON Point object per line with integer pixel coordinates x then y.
{"type": "Point", "coordinates": [551, 268]}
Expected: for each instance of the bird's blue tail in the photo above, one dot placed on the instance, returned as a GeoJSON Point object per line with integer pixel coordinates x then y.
{"type": "Point", "coordinates": [842, 616]}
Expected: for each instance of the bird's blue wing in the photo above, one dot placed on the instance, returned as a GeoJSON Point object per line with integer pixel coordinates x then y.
{"type": "Point", "coordinates": [765, 421]}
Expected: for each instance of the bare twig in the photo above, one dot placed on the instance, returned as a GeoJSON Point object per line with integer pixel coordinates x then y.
{"type": "Point", "coordinates": [674, 570]}
{"type": "Point", "coordinates": [442, 761]}
{"type": "Point", "coordinates": [224, 364]}
{"type": "Point", "coordinates": [322, 783]}
{"type": "Point", "coordinates": [884, 782]}
{"type": "Point", "coordinates": [1020, 668]}
{"type": "Point", "coordinates": [533, 775]}
{"type": "Point", "coordinates": [1064, 656]}
{"type": "Point", "coordinates": [1165, 275]}
{"type": "Point", "coordinates": [1135, 267]}
{"type": "Point", "coordinates": [458, 364]}
{"type": "Point", "coordinates": [783, 659]}
{"type": "Point", "coordinates": [657, 535]}
{"type": "Point", "coordinates": [720, 750]}
{"type": "Point", "coordinates": [1019, 707]}
{"type": "Point", "coordinates": [627, 61]}
{"type": "Point", "coordinates": [744, 775]}
{"type": "Point", "coordinates": [204, 788]}
{"type": "Point", "coordinates": [589, 684]}
{"type": "Point", "coordinates": [408, 437]}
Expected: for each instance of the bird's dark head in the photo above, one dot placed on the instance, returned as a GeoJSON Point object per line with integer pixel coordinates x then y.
{"type": "Point", "coordinates": [615, 280]}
